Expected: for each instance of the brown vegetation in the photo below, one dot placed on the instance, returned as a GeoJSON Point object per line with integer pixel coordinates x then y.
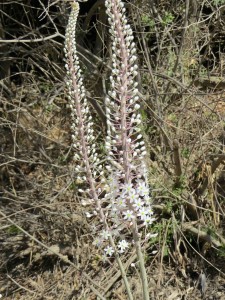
{"type": "Point", "coordinates": [46, 249]}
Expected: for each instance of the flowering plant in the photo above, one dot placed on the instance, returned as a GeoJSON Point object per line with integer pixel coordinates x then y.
{"type": "Point", "coordinates": [127, 204]}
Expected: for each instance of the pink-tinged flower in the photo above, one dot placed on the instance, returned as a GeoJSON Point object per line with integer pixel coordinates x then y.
{"type": "Point", "coordinates": [128, 215]}
{"type": "Point", "coordinates": [109, 250]}
{"type": "Point", "coordinates": [123, 245]}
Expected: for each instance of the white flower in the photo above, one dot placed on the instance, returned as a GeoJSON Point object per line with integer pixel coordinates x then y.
{"type": "Point", "coordinates": [123, 245]}
{"type": "Point", "coordinates": [142, 189]}
{"type": "Point", "coordinates": [127, 188]}
{"type": "Point", "coordinates": [104, 258]}
{"type": "Point", "coordinates": [114, 208]}
{"type": "Point", "coordinates": [109, 250]}
{"type": "Point", "coordinates": [88, 215]}
{"type": "Point", "coordinates": [138, 203]}
{"type": "Point", "coordinates": [113, 183]}
{"type": "Point", "coordinates": [98, 242]}
{"type": "Point", "coordinates": [133, 196]}
{"type": "Point", "coordinates": [128, 215]}
{"type": "Point", "coordinates": [149, 210]}
{"type": "Point", "coordinates": [148, 220]}
{"type": "Point", "coordinates": [134, 154]}
{"type": "Point", "coordinates": [151, 235]}
{"type": "Point", "coordinates": [105, 234]}
{"type": "Point", "coordinates": [147, 200]}
{"type": "Point", "coordinates": [143, 213]}
{"type": "Point", "coordinates": [121, 202]}
{"type": "Point", "coordinates": [137, 106]}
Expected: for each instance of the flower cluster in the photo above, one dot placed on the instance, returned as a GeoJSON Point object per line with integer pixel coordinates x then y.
{"type": "Point", "coordinates": [131, 201]}
{"type": "Point", "coordinates": [102, 240]}
{"type": "Point", "coordinates": [128, 199]}
{"type": "Point", "coordinates": [122, 245]}
{"type": "Point", "coordinates": [83, 138]}
{"type": "Point", "coordinates": [124, 142]}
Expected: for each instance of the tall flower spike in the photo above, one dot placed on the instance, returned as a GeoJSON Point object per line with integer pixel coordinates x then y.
{"type": "Point", "coordinates": [83, 138]}
{"type": "Point", "coordinates": [125, 144]}
{"type": "Point", "coordinates": [82, 126]}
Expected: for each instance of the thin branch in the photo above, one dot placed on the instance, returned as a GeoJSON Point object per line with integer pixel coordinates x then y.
{"type": "Point", "coordinates": [50, 37]}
